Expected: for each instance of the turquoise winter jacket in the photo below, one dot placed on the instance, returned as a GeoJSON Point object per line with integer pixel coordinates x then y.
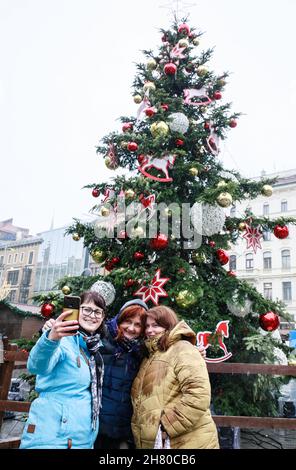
{"type": "Point", "coordinates": [60, 417]}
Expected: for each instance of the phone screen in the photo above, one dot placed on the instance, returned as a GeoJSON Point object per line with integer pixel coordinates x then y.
{"type": "Point", "coordinates": [71, 302]}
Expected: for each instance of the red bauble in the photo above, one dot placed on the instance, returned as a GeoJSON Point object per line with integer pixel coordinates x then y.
{"type": "Point", "coordinates": [212, 243]}
{"type": "Point", "coordinates": [222, 256]}
{"type": "Point", "coordinates": [184, 28]}
{"type": "Point", "coordinates": [281, 231]}
{"type": "Point", "coordinates": [269, 321]}
{"type": "Point", "coordinates": [170, 68]}
{"type": "Point", "coordinates": [232, 123]}
{"type": "Point", "coordinates": [132, 146]}
{"type": "Point", "coordinates": [138, 256]}
{"type": "Point", "coordinates": [95, 192]}
{"type": "Point", "coordinates": [109, 265]}
{"type": "Point", "coordinates": [207, 125]}
{"type": "Point", "coordinates": [47, 310]}
{"type": "Point", "coordinates": [130, 283]}
{"type": "Point", "coordinates": [165, 107]}
{"type": "Point", "coordinates": [160, 242]}
{"type": "Point", "coordinates": [122, 234]}
{"type": "Point", "coordinates": [127, 126]}
{"type": "Point", "coordinates": [141, 158]}
{"type": "Point", "coordinates": [231, 273]}
{"type": "Point", "coordinates": [217, 95]}
{"type": "Point", "coordinates": [115, 260]}
{"type": "Point", "coordinates": [150, 111]}
{"type": "Point", "coordinates": [179, 142]}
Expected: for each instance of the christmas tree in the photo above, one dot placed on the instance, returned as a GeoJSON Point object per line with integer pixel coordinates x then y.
{"type": "Point", "coordinates": [162, 230]}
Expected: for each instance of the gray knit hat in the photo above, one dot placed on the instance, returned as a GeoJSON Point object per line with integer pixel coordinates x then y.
{"type": "Point", "coordinates": [133, 302]}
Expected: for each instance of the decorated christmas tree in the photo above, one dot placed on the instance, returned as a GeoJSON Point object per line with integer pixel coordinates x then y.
{"type": "Point", "coordinates": [162, 231]}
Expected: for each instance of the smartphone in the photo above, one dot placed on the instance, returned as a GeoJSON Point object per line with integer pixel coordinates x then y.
{"type": "Point", "coordinates": [71, 302]}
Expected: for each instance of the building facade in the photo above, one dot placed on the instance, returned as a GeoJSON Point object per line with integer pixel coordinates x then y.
{"type": "Point", "coordinates": [8, 231]}
{"type": "Point", "coordinates": [272, 269]}
{"type": "Point", "coordinates": [18, 267]}
{"type": "Point", "coordinates": [59, 255]}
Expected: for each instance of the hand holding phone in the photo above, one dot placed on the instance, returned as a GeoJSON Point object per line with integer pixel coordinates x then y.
{"type": "Point", "coordinates": [63, 327]}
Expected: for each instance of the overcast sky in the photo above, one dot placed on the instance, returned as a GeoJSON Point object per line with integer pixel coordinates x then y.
{"type": "Point", "coordinates": [66, 70]}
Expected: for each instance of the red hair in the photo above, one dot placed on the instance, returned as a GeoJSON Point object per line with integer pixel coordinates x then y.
{"type": "Point", "coordinates": [131, 312]}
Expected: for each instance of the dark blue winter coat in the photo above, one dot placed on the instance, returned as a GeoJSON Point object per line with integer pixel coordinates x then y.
{"type": "Point", "coordinates": [121, 367]}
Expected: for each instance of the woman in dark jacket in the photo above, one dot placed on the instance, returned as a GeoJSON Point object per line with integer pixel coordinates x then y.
{"type": "Point", "coordinates": [122, 353]}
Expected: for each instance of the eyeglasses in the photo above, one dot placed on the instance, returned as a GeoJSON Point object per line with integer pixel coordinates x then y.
{"type": "Point", "coordinates": [87, 311]}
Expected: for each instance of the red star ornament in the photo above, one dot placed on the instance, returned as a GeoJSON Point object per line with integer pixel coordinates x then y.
{"type": "Point", "coordinates": [253, 235]}
{"type": "Point", "coordinates": [154, 290]}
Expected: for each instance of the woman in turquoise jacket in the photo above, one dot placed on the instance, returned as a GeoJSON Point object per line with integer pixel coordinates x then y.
{"type": "Point", "coordinates": [69, 372]}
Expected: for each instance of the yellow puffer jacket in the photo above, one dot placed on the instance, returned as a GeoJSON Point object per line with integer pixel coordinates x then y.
{"type": "Point", "coordinates": [172, 388]}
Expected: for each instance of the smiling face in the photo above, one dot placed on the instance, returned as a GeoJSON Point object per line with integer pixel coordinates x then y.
{"type": "Point", "coordinates": [90, 316]}
{"type": "Point", "coordinates": [131, 327]}
{"type": "Point", "coordinates": [152, 327]}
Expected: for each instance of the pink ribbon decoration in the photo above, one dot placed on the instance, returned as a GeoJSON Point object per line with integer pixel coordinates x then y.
{"type": "Point", "coordinates": [141, 110]}
{"type": "Point", "coordinates": [213, 143]}
{"type": "Point", "coordinates": [201, 94]}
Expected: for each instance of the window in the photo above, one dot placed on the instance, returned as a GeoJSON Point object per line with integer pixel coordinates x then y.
{"type": "Point", "coordinates": [15, 258]}
{"type": "Point", "coordinates": [287, 291]}
{"type": "Point", "coordinates": [22, 257]}
{"type": "Point", "coordinates": [265, 209]}
{"type": "Point", "coordinates": [284, 206]}
{"type": "Point", "coordinates": [267, 260]}
{"type": "Point", "coordinates": [249, 261]}
{"type": "Point", "coordinates": [1, 260]}
{"type": "Point", "coordinates": [12, 277]}
{"type": "Point", "coordinates": [286, 259]}
{"type": "Point", "coordinates": [9, 259]}
{"type": "Point", "coordinates": [266, 235]}
{"type": "Point", "coordinates": [11, 296]}
{"type": "Point", "coordinates": [267, 290]}
{"type": "Point", "coordinates": [30, 261]}
{"type": "Point", "coordinates": [232, 263]}
{"type": "Point", "coordinates": [233, 211]}
{"type": "Point", "coordinates": [26, 277]}
{"type": "Point", "coordinates": [23, 297]}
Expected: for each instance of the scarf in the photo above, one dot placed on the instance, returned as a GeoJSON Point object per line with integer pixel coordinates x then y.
{"type": "Point", "coordinates": [96, 367]}
{"type": "Point", "coordinates": [152, 343]}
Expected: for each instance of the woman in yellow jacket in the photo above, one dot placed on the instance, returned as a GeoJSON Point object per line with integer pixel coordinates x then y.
{"type": "Point", "coordinates": [172, 387]}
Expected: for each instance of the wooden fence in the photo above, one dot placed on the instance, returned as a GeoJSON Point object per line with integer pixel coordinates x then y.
{"type": "Point", "coordinates": [15, 359]}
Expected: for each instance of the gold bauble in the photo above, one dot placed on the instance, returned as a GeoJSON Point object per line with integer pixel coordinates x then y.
{"type": "Point", "coordinates": [224, 199]}
{"type": "Point", "coordinates": [130, 193]}
{"type": "Point", "coordinates": [184, 43]}
{"type": "Point", "coordinates": [195, 41]}
{"type": "Point", "coordinates": [201, 71]}
{"type": "Point", "coordinates": [186, 298]}
{"type": "Point", "coordinates": [159, 129]}
{"type": "Point", "coordinates": [123, 145]}
{"type": "Point", "coordinates": [98, 256]}
{"type": "Point", "coordinates": [137, 232]}
{"type": "Point", "coordinates": [203, 109]}
{"type": "Point", "coordinates": [138, 99]}
{"type": "Point", "coordinates": [149, 86]}
{"type": "Point", "coordinates": [267, 190]}
{"type": "Point", "coordinates": [221, 82]}
{"type": "Point", "coordinates": [221, 184]}
{"type": "Point", "coordinates": [151, 64]}
{"type": "Point", "coordinates": [198, 257]}
{"type": "Point", "coordinates": [193, 171]}
{"type": "Point", "coordinates": [242, 226]}
{"type": "Point", "coordinates": [66, 290]}
{"type": "Point", "coordinates": [109, 164]}
{"type": "Point", "coordinates": [105, 211]}
{"type": "Point", "coordinates": [76, 237]}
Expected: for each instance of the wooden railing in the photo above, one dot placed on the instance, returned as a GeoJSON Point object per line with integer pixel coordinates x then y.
{"type": "Point", "coordinates": [14, 359]}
